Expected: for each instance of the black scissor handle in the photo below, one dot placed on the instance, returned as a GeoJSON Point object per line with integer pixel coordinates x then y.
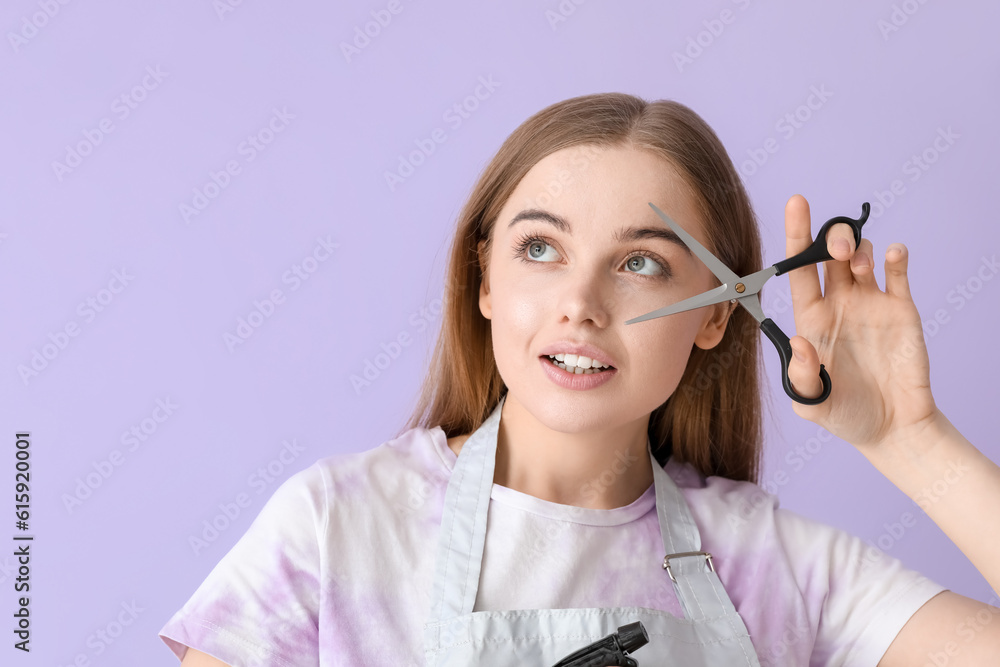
{"type": "Point", "coordinates": [780, 341]}
{"type": "Point", "coordinates": [817, 252]}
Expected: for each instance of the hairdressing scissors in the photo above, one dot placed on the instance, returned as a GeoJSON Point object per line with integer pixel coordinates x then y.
{"type": "Point", "coordinates": [744, 290]}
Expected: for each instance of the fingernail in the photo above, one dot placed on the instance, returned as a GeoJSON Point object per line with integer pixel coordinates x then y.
{"type": "Point", "coordinates": [797, 355]}
{"type": "Point", "coordinates": [862, 261]}
{"type": "Point", "coordinates": [842, 245]}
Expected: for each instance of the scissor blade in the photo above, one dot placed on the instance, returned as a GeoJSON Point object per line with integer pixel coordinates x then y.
{"type": "Point", "coordinates": [721, 271]}
{"type": "Point", "coordinates": [717, 295]}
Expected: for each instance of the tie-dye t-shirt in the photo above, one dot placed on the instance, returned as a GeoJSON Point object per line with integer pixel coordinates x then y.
{"type": "Point", "coordinates": [337, 567]}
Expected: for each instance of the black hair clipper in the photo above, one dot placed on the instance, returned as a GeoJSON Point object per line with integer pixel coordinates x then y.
{"type": "Point", "coordinates": [611, 650]}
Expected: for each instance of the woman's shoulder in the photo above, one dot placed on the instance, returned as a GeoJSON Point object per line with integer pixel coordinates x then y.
{"type": "Point", "coordinates": [417, 441]}
{"type": "Point", "coordinates": [694, 483]}
{"type": "Point", "coordinates": [419, 452]}
{"type": "Point", "coordinates": [742, 507]}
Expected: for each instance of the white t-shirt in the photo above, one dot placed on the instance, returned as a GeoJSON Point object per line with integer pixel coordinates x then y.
{"type": "Point", "coordinates": [337, 567]}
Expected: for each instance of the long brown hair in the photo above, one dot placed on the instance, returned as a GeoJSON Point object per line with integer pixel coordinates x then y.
{"type": "Point", "coordinates": [713, 418]}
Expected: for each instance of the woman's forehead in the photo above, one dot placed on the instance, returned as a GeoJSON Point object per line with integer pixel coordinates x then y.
{"type": "Point", "coordinates": [605, 186]}
{"type": "Point", "coordinates": [581, 159]}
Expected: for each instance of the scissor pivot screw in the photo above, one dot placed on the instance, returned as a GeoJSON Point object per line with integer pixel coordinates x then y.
{"type": "Point", "coordinates": [740, 287]}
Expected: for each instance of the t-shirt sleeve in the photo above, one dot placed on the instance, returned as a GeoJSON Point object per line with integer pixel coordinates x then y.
{"type": "Point", "coordinates": [260, 604]}
{"type": "Point", "coordinates": [861, 595]}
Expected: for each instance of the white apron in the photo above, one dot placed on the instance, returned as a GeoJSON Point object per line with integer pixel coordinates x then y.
{"type": "Point", "coordinates": [711, 633]}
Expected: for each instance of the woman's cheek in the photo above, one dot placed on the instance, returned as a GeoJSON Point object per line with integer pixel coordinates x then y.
{"type": "Point", "coordinates": [515, 323]}
{"type": "Point", "coordinates": [526, 314]}
{"type": "Point", "coordinates": [521, 303]}
{"type": "Point", "coordinates": [667, 345]}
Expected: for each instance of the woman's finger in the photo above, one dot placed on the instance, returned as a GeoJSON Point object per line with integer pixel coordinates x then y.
{"type": "Point", "coordinates": [837, 272]}
{"type": "Point", "coordinates": [803, 369]}
{"type": "Point", "coordinates": [896, 282]}
{"type": "Point", "coordinates": [804, 282]}
{"type": "Point", "coordinates": [863, 265]}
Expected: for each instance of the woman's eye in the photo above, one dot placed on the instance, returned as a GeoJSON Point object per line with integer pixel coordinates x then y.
{"type": "Point", "coordinates": [536, 249]}
{"type": "Point", "coordinates": [640, 262]}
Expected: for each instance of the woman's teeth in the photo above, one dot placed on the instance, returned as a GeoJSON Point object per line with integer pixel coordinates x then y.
{"type": "Point", "coordinates": [579, 365]}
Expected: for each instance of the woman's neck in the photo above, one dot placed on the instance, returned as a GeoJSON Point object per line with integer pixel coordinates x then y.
{"type": "Point", "coordinates": [597, 469]}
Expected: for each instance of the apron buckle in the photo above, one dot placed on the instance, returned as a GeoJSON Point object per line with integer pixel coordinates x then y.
{"type": "Point", "coordinates": [666, 561]}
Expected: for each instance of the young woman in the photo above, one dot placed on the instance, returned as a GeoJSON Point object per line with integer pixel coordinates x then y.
{"type": "Point", "coordinates": [565, 474]}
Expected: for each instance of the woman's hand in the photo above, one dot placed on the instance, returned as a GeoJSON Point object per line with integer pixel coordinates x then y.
{"type": "Point", "coordinates": [871, 342]}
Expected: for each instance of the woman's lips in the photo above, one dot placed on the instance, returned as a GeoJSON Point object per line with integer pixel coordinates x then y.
{"type": "Point", "coordinates": [577, 381]}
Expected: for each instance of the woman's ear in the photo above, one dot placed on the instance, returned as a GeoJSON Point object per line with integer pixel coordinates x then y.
{"type": "Point", "coordinates": [485, 307]}
{"type": "Point", "coordinates": [714, 327]}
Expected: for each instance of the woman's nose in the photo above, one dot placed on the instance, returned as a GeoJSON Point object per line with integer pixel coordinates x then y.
{"type": "Point", "coordinates": [586, 297]}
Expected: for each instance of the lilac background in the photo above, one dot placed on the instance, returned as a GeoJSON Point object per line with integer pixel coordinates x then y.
{"type": "Point", "coordinates": [162, 336]}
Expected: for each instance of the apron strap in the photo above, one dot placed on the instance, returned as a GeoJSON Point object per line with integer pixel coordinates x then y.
{"type": "Point", "coordinates": [463, 525]}
{"type": "Point", "coordinates": [691, 570]}
{"type": "Point", "coordinates": [462, 538]}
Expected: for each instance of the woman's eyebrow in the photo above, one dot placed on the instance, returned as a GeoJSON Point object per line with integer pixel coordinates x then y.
{"type": "Point", "coordinates": [629, 235]}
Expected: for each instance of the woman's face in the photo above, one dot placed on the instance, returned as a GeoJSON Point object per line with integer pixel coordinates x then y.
{"type": "Point", "coordinates": [580, 284]}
